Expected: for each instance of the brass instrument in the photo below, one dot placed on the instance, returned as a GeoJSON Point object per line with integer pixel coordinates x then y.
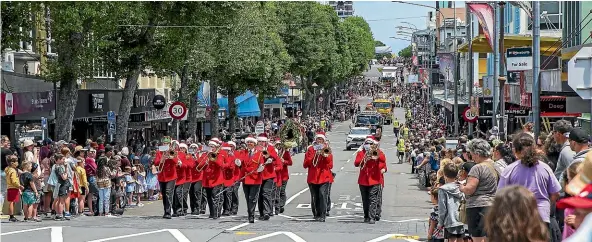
{"type": "Point", "coordinates": [265, 153]}
{"type": "Point", "coordinates": [325, 152]}
{"type": "Point", "coordinates": [372, 155]}
{"type": "Point", "coordinates": [212, 156]}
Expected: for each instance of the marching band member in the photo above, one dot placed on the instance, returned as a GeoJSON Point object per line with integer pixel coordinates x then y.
{"type": "Point", "coordinates": [167, 161]}
{"type": "Point", "coordinates": [278, 177]}
{"type": "Point", "coordinates": [213, 178]}
{"type": "Point", "coordinates": [286, 160]}
{"type": "Point", "coordinates": [268, 175]}
{"type": "Point", "coordinates": [251, 163]}
{"type": "Point", "coordinates": [372, 163]}
{"type": "Point", "coordinates": [236, 174]}
{"type": "Point", "coordinates": [180, 182]}
{"type": "Point", "coordinates": [228, 173]}
{"type": "Point", "coordinates": [196, 177]}
{"type": "Point", "coordinates": [204, 195]}
{"type": "Point", "coordinates": [319, 162]}
{"type": "Point", "coordinates": [189, 165]}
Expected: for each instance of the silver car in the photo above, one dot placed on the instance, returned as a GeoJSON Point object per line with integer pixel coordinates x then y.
{"type": "Point", "coordinates": [356, 137]}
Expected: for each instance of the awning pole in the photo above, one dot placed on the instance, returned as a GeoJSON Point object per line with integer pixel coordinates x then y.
{"type": "Point", "coordinates": [536, 65]}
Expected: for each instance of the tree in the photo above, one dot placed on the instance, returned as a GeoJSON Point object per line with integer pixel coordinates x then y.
{"type": "Point", "coordinates": [378, 43]}
{"type": "Point", "coordinates": [406, 52]}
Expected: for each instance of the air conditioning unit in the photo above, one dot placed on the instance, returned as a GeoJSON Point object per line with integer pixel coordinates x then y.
{"type": "Point", "coordinates": [8, 62]}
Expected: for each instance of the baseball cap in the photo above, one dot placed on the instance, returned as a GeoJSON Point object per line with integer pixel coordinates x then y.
{"type": "Point", "coordinates": [583, 178]}
{"type": "Point", "coordinates": [467, 166]}
{"type": "Point", "coordinates": [578, 135]}
{"type": "Point", "coordinates": [582, 200]}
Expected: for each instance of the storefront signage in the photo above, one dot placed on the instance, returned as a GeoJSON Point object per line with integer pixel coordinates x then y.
{"type": "Point", "coordinates": [142, 98]}
{"type": "Point", "coordinates": [27, 102]}
{"type": "Point", "coordinates": [158, 102]}
{"type": "Point", "coordinates": [97, 101]}
{"type": "Point", "coordinates": [519, 59]}
{"type": "Point", "coordinates": [485, 106]}
{"type": "Point", "coordinates": [553, 105]}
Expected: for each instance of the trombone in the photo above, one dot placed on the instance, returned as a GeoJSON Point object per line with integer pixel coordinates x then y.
{"type": "Point", "coordinates": [325, 152]}
{"type": "Point", "coordinates": [212, 156]}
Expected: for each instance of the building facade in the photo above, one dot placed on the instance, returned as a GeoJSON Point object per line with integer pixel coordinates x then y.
{"type": "Point", "coordinates": [344, 9]}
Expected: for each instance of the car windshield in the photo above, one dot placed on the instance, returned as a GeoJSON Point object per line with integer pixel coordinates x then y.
{"type": "Point", "coordinates": [360, 131]}
{"type": "Point", "coordinates": [381, 105]}
{"type": "Point", "coordinates": [371, 120]}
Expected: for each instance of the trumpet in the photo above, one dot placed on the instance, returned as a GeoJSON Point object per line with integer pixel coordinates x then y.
{"type": "Point", "coordinates": [265, 153]}
{"type": "Point", "coordinates": [212, 156]}
{"type": "Point", "coordinates": [325, 152]}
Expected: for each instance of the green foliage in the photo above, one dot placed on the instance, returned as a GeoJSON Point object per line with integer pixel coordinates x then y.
{"type": "Point", "coordinates": [378, 43]}
{"type": "Point", "coordinates": [406, 52]}
{"type": "Point", "coordinates": [16, 15]}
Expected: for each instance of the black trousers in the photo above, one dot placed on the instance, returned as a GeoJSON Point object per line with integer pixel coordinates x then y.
{"type": "Point", "coordinates": [204, 200]}
{"type": "Point", "coordinates": [235, 200]}
{"type": "Point", "coordinates": [276, 197]}
{"type": "Point", "coordinates": [283, 194]}
{"type": "Point", "coordinates": [184, 204]}
{"type": "Point", "coordinates": [251, 195]}
{"type": "Point", "coordinates": [195, 196]}
{"type": "Point", "coordinates": [370, 197]}
{"type": "Point", "coordinates": [379, 206]}
{"type": "Point", "coordinates": [319, 194]}
{"type": "Point", "coordinates": [227, 196]}
{"type": "Point", "coordinates": [266, 197]}
{"type": "Point", "coordinates": [167, 189]}
{"type": "Point", "coordinates": [214, 200]}
{"type": "Point", "coordinates": [329, 198]}
{"type": "Point", "coordinates": [178, 206]}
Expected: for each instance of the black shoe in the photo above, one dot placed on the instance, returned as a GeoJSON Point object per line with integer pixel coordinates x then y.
{"type": "Point", "coordinates": [202, 212]}
{"type": "Point", "coordinates": [277, 212]}
{"type": "Point", "coordinates": [266, 217]}
{"type": "Point", "coordinates": [234, 213]}
{"type": "Point", "coordinates": [328, 214]}
{"type": "Point", "coordinates": [225, 214]}
{"type": "Point", "coordinates": [211, 216]}
{"type": "Point", "coordinates": [13, 219]}
{"type": "Point", "coordinates": [372, 221]}
{"type": "Point", "coordinates": [251, 219]}
{"type": "Point", "coordinates": [378, 218]}
{"type": "Point", "coordinates": [322, 220]}
{"type": "Point", "coordinates": [260, 217]}
{"type": "Point", "coordinates": [175, 215]}
{"type": "Point", "coordinates": [316, 218]}
{"type": "Point", "coordinates": [366, 220]}
{"type": "Point", "coordinates": [281, 210]}
{"type": "Point", "coordinates": [271, 214]}
{"type": "Point", "coordinates": [216, 217]}
{"type": "Point", "coordinates": [194, 213]}
{"type": "Point", "coordinates": [167, 216]}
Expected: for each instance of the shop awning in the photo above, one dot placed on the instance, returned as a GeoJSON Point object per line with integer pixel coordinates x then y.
{"type": "Point", "coordinates": [246, 104]}
{"type": "Point", "coordinates": [480, 44]}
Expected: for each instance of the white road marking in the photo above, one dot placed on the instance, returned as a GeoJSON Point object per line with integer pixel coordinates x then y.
{"type": "Point", "coordinates": [342, 167]}
{"type": "Point", "coordinates": [385, 237]}
{"type": "Point", "coordinates": [290, 235]}
{"type": "Point", "coordinates": [30, 230]}
{"type": "Point", "coordinates": [296, 195]}
{"type": "Point", "coordinates": [174, 232]}
{"type": "Point", "coordinates": [237, 227]}
{"type": "Point", "coordinates": [409, 220]}
{"type": "Point", "coordinates": [56, 234]}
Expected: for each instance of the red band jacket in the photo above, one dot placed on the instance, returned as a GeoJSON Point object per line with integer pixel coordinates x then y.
{"type": "Point", "coordinates": [168, 170]}
{"type": "Point", "coordinates": [287, 162]}
{"type": "Point", "coordinates": [276, 164]}
{"type": "Point", "coordinates": [321, 173]}
{"type": "Point", "coordinates": [189, 167]}
{"type": "Point", "coordinates": [229, 168]}
{"type": "Point", "coordinates": [370, 174]}
{"type": "Point", "coordinates": [213, 172]}
{"type": "Point", "coordinates": [197, 170]}
{"type": "Point", "coordinates": [250, 161]}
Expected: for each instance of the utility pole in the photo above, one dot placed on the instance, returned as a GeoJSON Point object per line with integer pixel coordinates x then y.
{"type": "Point", "coordinates": [502, 78]}
{"type": "Point", "coordinates": [495, 65]}
{"type": "Point", "coordinates": [469, 31]}
{"type": "Point", "coordinates": [456, 74]}
{"type": "Point", "coordinates": [536, 67]}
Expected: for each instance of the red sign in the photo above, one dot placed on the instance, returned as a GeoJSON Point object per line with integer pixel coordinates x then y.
{"type": "Point", "coordinates": [178, 110]}
{"type": "Point", "coordinates": [26, 102]}
{"type": "Point", "coordinates": [469, 116]}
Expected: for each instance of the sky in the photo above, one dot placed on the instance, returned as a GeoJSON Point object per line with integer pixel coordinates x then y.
{"type": "Point", "coordinates": [383, 19]}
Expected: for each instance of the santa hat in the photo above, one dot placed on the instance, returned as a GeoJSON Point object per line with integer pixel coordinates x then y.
{"type": "Point", "coordinates": [262, 137]}
{"type": "Point", "coordinates": [278, 141]}
{"type": "Point", "coordinates": [175, 142]}
{"type": "Point", "coordinates": [321, 135]}
{"type": "Point", "coordinates": [232, 143]}
{"type": "Point", "coordinates": [225, 146]}
{"type": "Point", "coordinates": [183, 145]}
{"type": "Point", "coordinates": [218, 141]}
{"type": "Point", "coordinates": [194, 146]}
{"type": "Point", "coordinates": [214, 142]}
{"type": "Point", "coordinates": [371, 139]}
{"type": "Point", "coordinates": [251, 139]}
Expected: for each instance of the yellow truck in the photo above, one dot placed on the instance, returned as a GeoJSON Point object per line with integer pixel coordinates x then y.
{"type": "Point", "coordinates": [384, 107]}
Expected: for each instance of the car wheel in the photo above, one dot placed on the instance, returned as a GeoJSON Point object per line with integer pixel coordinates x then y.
{"type": "Point", "coordinates": [348, 148]}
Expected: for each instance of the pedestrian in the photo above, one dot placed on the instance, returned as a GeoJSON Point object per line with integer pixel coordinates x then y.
{"type": "Point", "coordinates": [130, 184]}
{"type": "Point", "coordinates": [569, 227]}
{"type": "Point", "coordinates": [514, 217]}
{"type": "Point", "coordinates": [62, 188]}
{"type": "Point", "coordinates": [30, 194]}
{"type": "Point", "coordinates": [104, 185]}
{"type": "Point", "coordinates": [502, 156]}
{"type": "Point", "coordinates": [140, 177]}
{"type": "Point", "coordinates": [536, 176]}
{"type": "Point", "coordinates": [13, 185]}
{"type": "Point", "coordinates": [561, 130]}
{"type": "Point", "coordinates": [480, 188]}
{"type": "Point", "coordinates": [435, 233]}
{"type": "Point", "coordinates": [83, 183]}
{"type": "Point", "coordinates": [449, 199]}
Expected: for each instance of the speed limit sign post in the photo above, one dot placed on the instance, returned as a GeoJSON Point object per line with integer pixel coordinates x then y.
{"type": "Point", "coordinates": [469, 116]}
{"type": "Point", "coordinates": [178, 110]}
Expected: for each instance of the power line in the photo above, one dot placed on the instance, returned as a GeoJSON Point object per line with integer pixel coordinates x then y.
{"type": "Point", "coordinates": [251, 25]}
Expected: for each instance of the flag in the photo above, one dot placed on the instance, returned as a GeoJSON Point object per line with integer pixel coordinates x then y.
{"type": "Point", "coordinates": [484, 13]}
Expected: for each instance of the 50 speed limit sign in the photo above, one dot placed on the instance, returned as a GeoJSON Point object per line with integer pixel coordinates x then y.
{"type": "Point", "coordinates": [469, 116]}
{"type": "Point", "coordinates": [178, 110]}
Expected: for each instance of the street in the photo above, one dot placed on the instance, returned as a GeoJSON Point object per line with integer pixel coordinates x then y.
{"type": "Point", "coordinates": [405, 210]}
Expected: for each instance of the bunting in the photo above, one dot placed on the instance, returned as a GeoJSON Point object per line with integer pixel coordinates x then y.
{"type": "Point", "coordinates": [485, 14]}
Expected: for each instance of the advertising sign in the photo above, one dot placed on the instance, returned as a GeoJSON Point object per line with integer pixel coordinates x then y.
{"type": "Point", "coordinates": [519, 59]}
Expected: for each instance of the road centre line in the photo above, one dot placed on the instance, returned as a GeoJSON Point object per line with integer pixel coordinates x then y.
{"type": "Point", "coordinates": [237, 227]}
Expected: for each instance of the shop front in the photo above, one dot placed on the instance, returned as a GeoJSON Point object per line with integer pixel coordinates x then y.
{"type": "Point", "coordinates": [24, 111]}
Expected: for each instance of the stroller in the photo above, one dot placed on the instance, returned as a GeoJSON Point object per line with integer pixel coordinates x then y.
{"type": "Point", "coordinates": [118, 198]}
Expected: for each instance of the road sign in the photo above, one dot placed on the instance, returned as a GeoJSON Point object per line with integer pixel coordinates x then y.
{"type": "Point", "coordinates": [260, 127]}
{"type": "Point", "coordinates": [519, 59]}
{"type": "Point", "coordinates": [111, 128]}
{"type": "Point", "coordinates": [469, 116]}
{"type": "Point", "coordinates": [43, 123]}
{"type": "Point", "coordinates": [111, 116]}
{"type": "Point", "coordinates": [178, 110]}
{"type": "Point", "coordinates": [579, 77]}
{"type": "Point", "coordinates": [488, 86]}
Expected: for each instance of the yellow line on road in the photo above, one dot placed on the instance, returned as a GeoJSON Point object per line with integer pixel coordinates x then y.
{"type": "Point", "coordinates": [244, 233]}
{"type": "Point", "coordinates": [404, 237]}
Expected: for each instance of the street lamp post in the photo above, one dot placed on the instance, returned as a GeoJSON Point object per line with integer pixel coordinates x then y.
{"type": "Point", "coordinates": [314, 88]}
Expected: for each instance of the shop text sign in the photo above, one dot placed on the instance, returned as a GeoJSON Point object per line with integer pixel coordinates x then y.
{"type": "Point", "coordinates": [519, 59]}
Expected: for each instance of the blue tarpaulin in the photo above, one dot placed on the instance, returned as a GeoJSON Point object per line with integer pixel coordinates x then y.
{"type": "Point", "coordinates": [246, 105]}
